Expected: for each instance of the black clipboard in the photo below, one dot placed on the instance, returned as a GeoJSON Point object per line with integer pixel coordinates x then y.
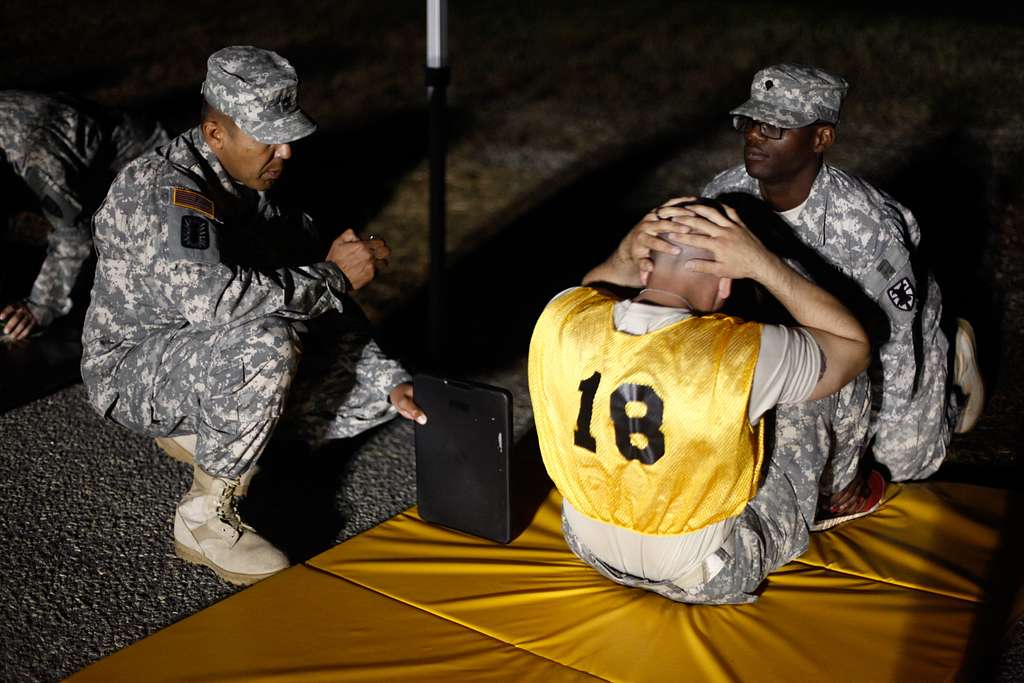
{"type": "Point", "coordinates": [463, 456]}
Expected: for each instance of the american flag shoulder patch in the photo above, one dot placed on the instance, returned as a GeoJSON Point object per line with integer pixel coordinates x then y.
{"type": "Point", "coordinates": [190, 199]}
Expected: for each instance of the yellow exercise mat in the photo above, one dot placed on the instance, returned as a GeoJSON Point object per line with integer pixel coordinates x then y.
{"type": "Point", "coordinates": [303, 625]}
{"type": "Point", "coordinates": [938, 537]}
{"type": "Point", "coordinates": [884, 618]}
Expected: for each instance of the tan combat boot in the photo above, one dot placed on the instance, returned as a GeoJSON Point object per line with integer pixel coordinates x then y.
{"type": "Point", "coordinates": [181, 448]}
{"type": "Point", "coordinates": [208, 530]}
{"type": "Point", "coordinates": [967, 376]}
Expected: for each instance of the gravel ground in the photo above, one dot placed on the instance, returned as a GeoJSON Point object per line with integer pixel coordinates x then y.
{"type": "Point", "coordinates": [569, 120]}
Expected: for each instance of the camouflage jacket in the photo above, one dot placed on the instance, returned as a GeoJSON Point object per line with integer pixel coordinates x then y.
{"type": "Point", "coordinates": [66, 150]}
{"type": "Point", "coordinates": [870, 238]}
{"type": "Point", "coordinates": [179, 243]}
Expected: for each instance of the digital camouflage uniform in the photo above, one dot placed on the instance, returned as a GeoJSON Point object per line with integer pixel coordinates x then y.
{"type": "Point", "coordinates": [67, 151]}
{"type": "Point", "coordinates": [196, 321]}
{"type": "Point", "coordinates": [870, 238]}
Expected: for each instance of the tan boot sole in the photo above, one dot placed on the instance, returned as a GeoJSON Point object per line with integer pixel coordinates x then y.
{"type": "Point", "coordinates": [174, 449]}
{"type": "Point", "coordinates": [189, 555]}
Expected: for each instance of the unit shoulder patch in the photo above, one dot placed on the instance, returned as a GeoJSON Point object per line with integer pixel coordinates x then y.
{"type": "Point", "coordinates": [902, 295]}
{"type": "Point", "coordinates": [190, 199]}
{"type": "Point", "coordinates": [195, 232]}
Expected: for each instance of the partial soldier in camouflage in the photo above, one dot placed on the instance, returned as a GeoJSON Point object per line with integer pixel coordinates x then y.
{"type": "Point", "coordinates": [649, 414]}
{"type": "Point", "coordinates": [66, 151]}
{"type": "Point", "coordinates": [844, 225]}
{"type": "Point", "coordinates": [789, 123]}
{"type": "Point", "coordinates": [207, 296]}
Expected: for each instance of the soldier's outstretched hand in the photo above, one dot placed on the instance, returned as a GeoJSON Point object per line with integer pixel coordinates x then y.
{"type": "Point", "coordinates": [17, 321]}
{"type": "Point", "coordinates": [401, 398]}
{"type": "Point", "coordinates": [358, 259]}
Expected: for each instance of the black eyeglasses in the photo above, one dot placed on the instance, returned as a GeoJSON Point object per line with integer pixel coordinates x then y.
{"type": "Point", "coordinates": [745, 123]}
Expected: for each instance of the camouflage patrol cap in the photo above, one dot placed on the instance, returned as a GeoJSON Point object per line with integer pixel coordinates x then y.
{"type": "Point", "coordinates": [258, 89]}
{"type": "Point", "coordinates": [794, 96]}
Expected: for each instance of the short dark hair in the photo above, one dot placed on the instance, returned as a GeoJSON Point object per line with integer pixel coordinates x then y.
{"type": "Point", "coordinates": [706, 201]}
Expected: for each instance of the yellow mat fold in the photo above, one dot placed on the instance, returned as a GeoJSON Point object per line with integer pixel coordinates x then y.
{"type": "Point", "coordinates": [898, 595]}
{"type": "Point", "coordinates": [863, 604]}
{"type": "Point", "coordinates": [938, 537]}
{"type": "Point", "coordinates": [305, 626]}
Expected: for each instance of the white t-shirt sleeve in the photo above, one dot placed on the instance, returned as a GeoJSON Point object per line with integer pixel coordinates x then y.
{"type": "Point", "coordinates": [788, 368]}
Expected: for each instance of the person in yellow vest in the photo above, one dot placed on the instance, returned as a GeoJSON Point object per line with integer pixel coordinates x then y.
{"type": "Point", "coordinates": [649, 414]}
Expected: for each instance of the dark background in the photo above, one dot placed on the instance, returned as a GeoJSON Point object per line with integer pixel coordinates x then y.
{"type": "Point", "coordinates": [568, 121]}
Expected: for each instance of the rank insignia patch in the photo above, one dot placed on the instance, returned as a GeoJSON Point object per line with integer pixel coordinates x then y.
{"type": "Point", "coordinates": [190, 199]}
{"type": "Point", "coordinates": [902, 295]}
{"type": "Point", "coordinates": [195, 232]}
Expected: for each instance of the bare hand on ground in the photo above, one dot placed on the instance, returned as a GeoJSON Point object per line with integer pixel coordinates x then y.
{"type": "Point", "coordinates": [17, 321]}
{"type": "Point", "coordinates": [358, 259]}
{"type": "Point", "coordinates": [401, 398]}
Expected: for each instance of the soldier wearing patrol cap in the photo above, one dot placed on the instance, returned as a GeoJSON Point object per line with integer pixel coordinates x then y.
{"type": "Point", "coordinates": [649, 415]}
{"type": "Point", "coordinates": [788, 124]}
{"type": "Point", "coordinates": [204, 286]}
{"type": "Point", "coordinates": [66, 151]}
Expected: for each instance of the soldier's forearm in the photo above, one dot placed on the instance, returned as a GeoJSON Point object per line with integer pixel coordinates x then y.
{"type": "Point", "coordinates": [50, 297]}
{"type": "Point", "coordinates": [809, 304]}
{"type": "Point", "coordinates": [213, 295]}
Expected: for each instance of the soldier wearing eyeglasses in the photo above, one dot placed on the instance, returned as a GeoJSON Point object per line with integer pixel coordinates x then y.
{"type": "Point", "coordinates": [836, 227]}
{"type": "Point", "coordinates": [788, 125]}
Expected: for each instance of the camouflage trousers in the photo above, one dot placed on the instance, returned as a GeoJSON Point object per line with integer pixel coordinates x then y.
{"type": "Point", "coordinates": [234, 387]}
{"type": "Point", "coordinates": [818, 447]}
{"type": "Point", "coordinates": [912, 434]}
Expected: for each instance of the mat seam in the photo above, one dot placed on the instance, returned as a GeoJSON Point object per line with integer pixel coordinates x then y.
{"type": "Point", "coordinates": [888, 582]}
{"type": "Point", "coordinates": [452, 621]}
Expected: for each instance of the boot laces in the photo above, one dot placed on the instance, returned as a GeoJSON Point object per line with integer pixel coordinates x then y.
{"type": "Point", "coordinates": [227, 508]}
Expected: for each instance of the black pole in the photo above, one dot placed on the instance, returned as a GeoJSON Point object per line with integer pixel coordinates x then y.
{"type": "Point", "coordinates": [437, 88]}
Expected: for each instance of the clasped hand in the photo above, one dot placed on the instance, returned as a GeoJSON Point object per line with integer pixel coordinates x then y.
{"type": "Point", "coordinates": [738, 253]}
{"type": "Point", "coordinates": [358, 259]}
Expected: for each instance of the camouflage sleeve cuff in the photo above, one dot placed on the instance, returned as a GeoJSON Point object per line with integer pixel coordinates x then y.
{"type": "Point", "coordinates": [400, 376]}
{"type": "Point", "coordinates": [337, 283]}
{"type": "Point", "coordinates": [44, 314]}
{"type": "Point", "coordinates": [392, 377]}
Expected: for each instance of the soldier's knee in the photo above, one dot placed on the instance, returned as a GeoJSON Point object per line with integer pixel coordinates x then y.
{"type": "Point", "coordinates": [277, 337]}
{"type": "Point", "coordinates": [253, 367]}
{"type": "Point", "coordinates": [266, 346]}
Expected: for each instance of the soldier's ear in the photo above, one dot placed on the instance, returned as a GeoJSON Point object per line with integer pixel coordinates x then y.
{"type": "Point", "coordinates": [824, 137]}
{"type": "Point", "coordinates": [214, 134]}
{"type": "Point", "coordinates": [724, 288]}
